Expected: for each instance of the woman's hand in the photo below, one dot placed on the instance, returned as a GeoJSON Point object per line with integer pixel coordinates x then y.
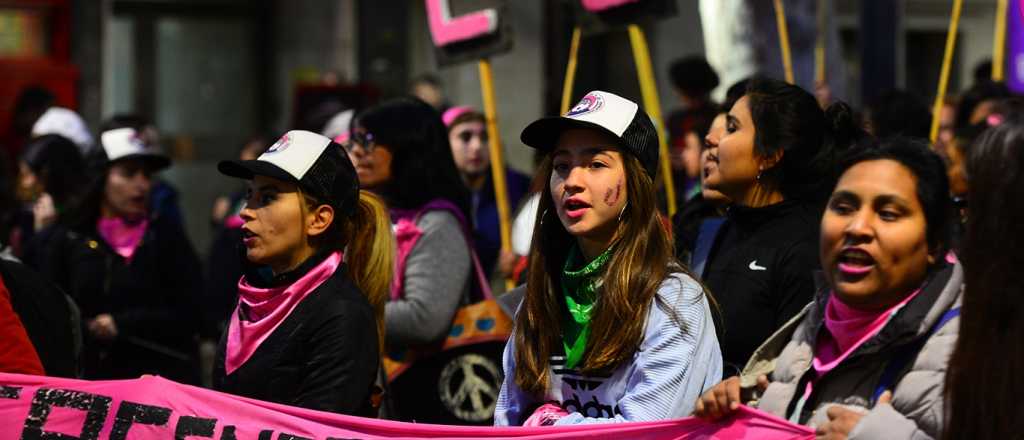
{"type": "Point", "coordinates": [842, 420]}
{"type": "Point", "coordinates": [44, 213]}
{"type": "Point", "coordinates": [103, 327]}
{"type": "Point", "coordinates": [724, 398]}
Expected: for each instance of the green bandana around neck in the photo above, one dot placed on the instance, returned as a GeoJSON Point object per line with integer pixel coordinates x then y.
{"type": "Point", "coordinates": [579, 287]}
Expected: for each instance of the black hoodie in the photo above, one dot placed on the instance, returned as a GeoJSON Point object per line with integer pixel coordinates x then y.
{"type": "Point", "coordinates": [761, 272]}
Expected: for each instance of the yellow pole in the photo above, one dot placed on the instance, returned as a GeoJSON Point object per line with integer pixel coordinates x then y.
{"type": "Point", "coordinates": [570, 71]}
{"type": "Point", "coordinates": [649, 90]}
{"type": "Point", "coordinates": [497, 159]}
{"type": "Point", "coordinates": [780, 21]}
{"type": "Point", "coordinates": [947, 60]}
{"type": "Point", "coordinates": [819, 44]}
{"type": "Point", "coordinates": [999, 41]}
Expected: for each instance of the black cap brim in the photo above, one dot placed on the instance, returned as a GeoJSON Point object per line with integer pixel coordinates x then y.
{"type": "Point", "coordinates": [156, 162]}
{"type": "Point", "coordinates": [543, 134]}
{"type": "Point", "coordinates": [247, 169]}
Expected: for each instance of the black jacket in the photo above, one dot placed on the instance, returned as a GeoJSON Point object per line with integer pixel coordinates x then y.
{"type": "Point", "coordinates": [323, 356]}
{"type": "Point", "coordinates": [761, 272]}
{"type": "Point", "coordinates": [47, 316]}
{"type": "Point", "coordinates": [153, 299]}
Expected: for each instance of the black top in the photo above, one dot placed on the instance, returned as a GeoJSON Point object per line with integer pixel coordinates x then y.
{"type": "Point", "coordinates": [153, 298]}
{"type": "Point", "coordinates": [46, 314]}
{"type": "Point", "coordinates": [761, 272]}
{"type": "Point", "coordinates": [323, 356]}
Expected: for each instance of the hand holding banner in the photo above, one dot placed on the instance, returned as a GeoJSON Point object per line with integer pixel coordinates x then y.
{"type": "Point", "coordinates": [35, 407]}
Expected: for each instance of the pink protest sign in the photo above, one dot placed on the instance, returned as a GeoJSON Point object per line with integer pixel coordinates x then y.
{"type": "Point", "coordinates": [446, 30]}
{"type": "Point", "coordinates": [604, 5]}
{"type": "Point", "coordinates": [35, 407]}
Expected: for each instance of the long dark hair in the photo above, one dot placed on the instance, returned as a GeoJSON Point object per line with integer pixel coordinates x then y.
{"type": "Point", "coordinates": [788, 120]}
{"type": "Point", "coordinates": [57, 164]}
{"type": "Point", "coordinates": [984, 381]}
{"type": "Point", "coordinates": [422, 167]}
{"type": "Point", "coordinates": [641, 261]}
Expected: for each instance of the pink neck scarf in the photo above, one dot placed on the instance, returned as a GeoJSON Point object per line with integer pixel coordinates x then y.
{"type": "Point", "coordinates": [267, 309]}
{"type": "Point", "coordinates": [123, 236]}
{"type": "Point", "coordinates": [849, 328]}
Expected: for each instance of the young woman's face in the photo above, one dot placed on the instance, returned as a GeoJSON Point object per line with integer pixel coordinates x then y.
{"type": "Point", "coordinates": [691, 154]}
{"type": "Point", "coordinates": [29, 186]}
{"type": "Point", "coordinates": [470, 147]}
{"type": "Point", "coordinates": [372, 160]}
{"type": "Point", "coordinates": [128, 184]}
{"type": "Point", "coordinates": [707, 165]}
{"type": "Point", "coordinates": [274, 229]}
{"type": "Point", "coordinates": [588, 184]}
{"type": "Point", "coordinates": [874, 247]}
{"type": "Point", "coordinates": [733, 166]}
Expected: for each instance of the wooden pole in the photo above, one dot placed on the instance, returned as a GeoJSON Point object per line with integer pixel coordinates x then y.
{"type": "Point", "coordinates": [947, 60]}
{"type": "Point", "coordinates": [780, 22]}
{"type": "Point", "coordinates": [497, 159]}
{"type": "Point", "coordinates": [819, 44]}
{"type": "Point", "coordinates": [999, 41]}
{"type": "Point", "coordinates": [570, 71]}
{"type": "Point", "coordinates": [649, 90]}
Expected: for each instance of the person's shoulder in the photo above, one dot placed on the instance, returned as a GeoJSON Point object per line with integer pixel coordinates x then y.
{"type": "Point", "coordinates": [516, 178]}
{"type": "Point", "coordinates": [338, 296]}
{"type": "Point", "coordinates": [441, 222]}
{"type": "Point", "coordinates": [680, 288]}
{"type": "Point", "coordinates": [438, 219]}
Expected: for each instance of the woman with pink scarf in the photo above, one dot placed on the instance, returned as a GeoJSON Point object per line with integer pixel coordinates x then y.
{"type": "Point", "coordinates": [133, 274]}
{"type": "Point", "coordinates": [867, 358]}
{"type": "Point", "coordinates": [308, 327]}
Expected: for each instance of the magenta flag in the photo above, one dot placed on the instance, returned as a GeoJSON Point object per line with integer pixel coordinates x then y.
{"type": "Point", "coordinates": [37, 407]}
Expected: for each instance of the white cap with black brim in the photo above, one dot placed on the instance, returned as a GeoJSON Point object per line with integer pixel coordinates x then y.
{"type": "Point", "coordinates": [126, 144]}
{"type": "Point", "coordinates": [310, 160]}
{"type": "Point", "coordinates": [614, 115]}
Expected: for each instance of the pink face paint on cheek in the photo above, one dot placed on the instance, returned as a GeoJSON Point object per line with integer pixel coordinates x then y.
{"type": "Point", "coordinates": [612, 195]}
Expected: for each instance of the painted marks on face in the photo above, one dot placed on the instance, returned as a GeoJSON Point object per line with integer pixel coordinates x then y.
{"type": "Point", "coordinates": [611, 196]}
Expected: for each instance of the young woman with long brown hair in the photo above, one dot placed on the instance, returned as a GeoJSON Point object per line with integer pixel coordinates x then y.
{"type": "Point", "coordinates": [984, 381]}
{"type": "Point", "coordinates": [611, 327]}
{"type": "Point", "coordinates": [308, 329]}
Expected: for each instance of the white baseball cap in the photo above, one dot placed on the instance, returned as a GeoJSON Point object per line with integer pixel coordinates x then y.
{"type": "Point", "coordinates": [127, 143]}
{"type": "Point", "coordinates": [310, 160]}
{"type": "Point", "coordinates": [67, 123]}
{"type": "Point", "coordinates": [606, 112]}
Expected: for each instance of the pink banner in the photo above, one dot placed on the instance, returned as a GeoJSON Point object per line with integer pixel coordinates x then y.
{"type": "Point", "coordinates": [36, 407]}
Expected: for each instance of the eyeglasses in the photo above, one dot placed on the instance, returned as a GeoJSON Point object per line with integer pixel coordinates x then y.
{"type": "Point", "coordinates": [363, 140]}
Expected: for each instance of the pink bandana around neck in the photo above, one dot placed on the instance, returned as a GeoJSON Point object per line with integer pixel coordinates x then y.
{"type": "Point", "coordinates": [123, 236]}
{"type": "Point", "coordinates": [849, 328]}
{"type": "Point", "coordinates": [267, 309]}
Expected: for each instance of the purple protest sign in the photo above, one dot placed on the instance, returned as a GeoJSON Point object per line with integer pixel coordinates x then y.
{"type": "Point", "coordinates": [1015, 46]}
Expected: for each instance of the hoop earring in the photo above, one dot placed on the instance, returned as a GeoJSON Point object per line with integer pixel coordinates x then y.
{"type": "Point", "coordinates": [622, 211]}
{"type": "Point", "coordinates": [544, 214]}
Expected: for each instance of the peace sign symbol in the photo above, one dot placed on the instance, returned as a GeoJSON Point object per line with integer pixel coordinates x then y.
{"type": "Point", "coordinates": [469, 387]}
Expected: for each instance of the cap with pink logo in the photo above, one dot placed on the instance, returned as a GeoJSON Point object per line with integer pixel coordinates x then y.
{"type": "Point", "coordinates": [126, 143]}
{"type": "Point", "coordinates": [312, 161]}
{"type": "Point", "coordinates": [614, 115]}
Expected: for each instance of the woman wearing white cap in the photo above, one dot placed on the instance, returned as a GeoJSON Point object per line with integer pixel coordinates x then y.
{"type": "Point", "coordinates": [134, 275]}
{"type": "Point", "coordinates": [612, 328]}
{"type": "Point", "coordinates": [308, 327]}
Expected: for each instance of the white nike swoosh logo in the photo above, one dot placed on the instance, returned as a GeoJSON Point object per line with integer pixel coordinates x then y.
{"type": "Point", "coordinates": [754, 266]}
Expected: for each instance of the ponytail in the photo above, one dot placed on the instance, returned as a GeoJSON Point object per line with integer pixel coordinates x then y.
{"type": "Point", "coordinates": [788, 120]}
{"type": "Point", "coordinates": [370, 254]}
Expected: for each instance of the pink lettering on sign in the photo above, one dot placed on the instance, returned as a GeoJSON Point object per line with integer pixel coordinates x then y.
{"type": "Point", "coordinates": [604, 5]}
{"type": "Point", "coordinates": [446, 30]}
